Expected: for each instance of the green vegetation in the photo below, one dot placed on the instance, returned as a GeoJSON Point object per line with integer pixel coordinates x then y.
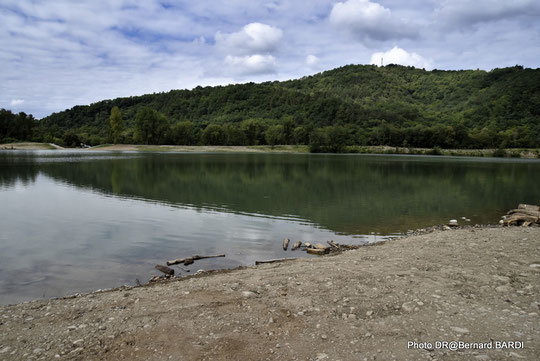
{"type": "Point", "coordinates": [333, 111]}
{"type": "Point", "coordinates": [117, 124]}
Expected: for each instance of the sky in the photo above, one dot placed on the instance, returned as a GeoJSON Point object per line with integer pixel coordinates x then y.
{"type": "Point", "coordinates": [56, 54]}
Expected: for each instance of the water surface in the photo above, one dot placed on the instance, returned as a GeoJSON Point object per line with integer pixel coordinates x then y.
{"type": "Point", "coordinates": [74, 221]}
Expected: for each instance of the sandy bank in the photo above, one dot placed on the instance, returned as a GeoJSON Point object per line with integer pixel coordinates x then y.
{"type": "Point", "coordinates": [471, 285]}
{"type": "Point", "coordinates": [29, 146]}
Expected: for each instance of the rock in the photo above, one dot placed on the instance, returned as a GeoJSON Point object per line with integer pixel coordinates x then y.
{"type": "Point", "coordinates": [369, 313]}
{"type": "Point", "coordinates": [535, 265]}
{"type": "Point", "coordinates": [38, 350]}
{"type": "Point", "coordinates": [460, 330]}
{"type": "Point", "coordinates": [286, 244]}
{"type": "Point", "coordinates": [71, 328]}
{"type": "Point", "coordinates": [446, 228]}
{"type": "Point", "coordinates": [78, 342]}
{"type": "Point", "coordinates": [453, 223]}
{"type": "Point", "coordinates": [502, 289]}
{"type": "Point", "coordinates": [407, 307]}
{"type": "Point", "coordinates": [248, 294]}
{"type": "Point", "coordinates": [5, 349]}
{"type": "Point", "coordinates": [321, 356]}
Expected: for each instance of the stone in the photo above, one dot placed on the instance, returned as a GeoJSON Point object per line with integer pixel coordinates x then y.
{"type": "Point", "coordinates": [460, 330]}
{"type": "Point", "coordinates": [407, 307]}
{"type": "Point", "coordinates": [248, 294]}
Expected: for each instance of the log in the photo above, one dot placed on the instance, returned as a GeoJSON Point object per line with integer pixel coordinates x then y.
{"type": "Point", "coordinates": [529, 207]}
{"type": "Point", "coordinates": [516, 218]}
{"type": "Point", "coordinates": [526, 211]}
{"type": "Point", "coordinates": [316, 251]}
{"type": "Point", "coordinates": [296, 245]}
{"type": "Point", "coordinates": [286, 244]}
{"type": "Point", "coordinates": [320, 246]}
{"type": "Point", "coordinates": [274, 260]}
{"type": "Point", "coordinates": [333, 244]}
{"type": "Point", "coordinates": [165, 269]}
{"type": "Point", "coordinates": [189, 260]}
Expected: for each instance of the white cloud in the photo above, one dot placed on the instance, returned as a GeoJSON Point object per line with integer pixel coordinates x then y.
{"type": "Point", "coordinates": [251, 64]}
{"type": "Point", "coordinates": [253, 38]}
{"type": "Point", "coordinates": [463, 13]}
{"type": "Point", "coordinates": [312, 60]}
{"type": "Point", "coordinates": [399, 56]}
{"type": "Point", "coordinates": [16, 102]}
{"type": "Point", "coordinates": [366, 19]}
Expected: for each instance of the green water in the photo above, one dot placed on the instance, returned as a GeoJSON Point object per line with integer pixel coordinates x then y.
{"type": "Point", "coordinates": [77, 221]}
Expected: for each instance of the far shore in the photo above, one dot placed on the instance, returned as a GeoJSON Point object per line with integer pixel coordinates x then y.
{"type": "Point", "coordinates": [529, 153]}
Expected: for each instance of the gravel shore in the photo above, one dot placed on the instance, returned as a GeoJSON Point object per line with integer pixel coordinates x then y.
{"type": "Point", "coordinates": [391, 301]}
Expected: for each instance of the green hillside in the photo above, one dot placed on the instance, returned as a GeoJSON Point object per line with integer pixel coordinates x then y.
{"type": "Point", "coordinates": [351, 105]}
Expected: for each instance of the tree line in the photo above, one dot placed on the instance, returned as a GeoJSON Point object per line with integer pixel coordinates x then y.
{"type": "Point", "coordinates": [352, 105]}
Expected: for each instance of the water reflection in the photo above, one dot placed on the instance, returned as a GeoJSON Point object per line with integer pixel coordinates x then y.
{"type": "Point", "coordinates": [76, 221]}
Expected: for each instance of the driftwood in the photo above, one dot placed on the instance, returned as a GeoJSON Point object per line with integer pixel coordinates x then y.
{"type": "Point", "coordinates": [189, 260]}
{"type": "Point", "coordinates": [320, 246]}
{"type": "Point", "coordinates": [524, 215]}
{"type": "Point", "coordinates": [286, 244]}
{"type": "Point", "coordinates": [274, 260]}
{"type": "Point", "coordinates": [317, 251]}
{"type": "Point", "coordinates": [165, 269]}
{"type": "Point", "coordinates": [296, 245]}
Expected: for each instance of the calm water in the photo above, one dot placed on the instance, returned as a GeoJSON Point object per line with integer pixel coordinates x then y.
{"type": "Point", "coordinates": [77, 221]}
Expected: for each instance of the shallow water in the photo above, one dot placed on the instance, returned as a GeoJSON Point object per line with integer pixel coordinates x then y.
{"type": "Point", "coordinates": [74, 221]}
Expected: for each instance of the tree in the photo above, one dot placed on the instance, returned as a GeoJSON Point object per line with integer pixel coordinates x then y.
{"type": "Point", "coordinates": [274, 135]}
{"type": "Point", "coordinates": [117, 124]}
{"type": "Point", "coordinates": [151, 126]}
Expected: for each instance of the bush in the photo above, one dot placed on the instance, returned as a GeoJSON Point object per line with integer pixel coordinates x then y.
{"type": "Point", "coordinates": [499, 153]}
{"type": "Point", "coordinates": [435, 151]}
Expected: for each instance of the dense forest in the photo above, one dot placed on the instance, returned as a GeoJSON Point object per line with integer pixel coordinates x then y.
{"type": "Point", "coordinates": [352, 105]}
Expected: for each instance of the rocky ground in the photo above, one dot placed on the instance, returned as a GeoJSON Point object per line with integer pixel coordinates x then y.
{"type": "Point", "coordinates": [476, 285]}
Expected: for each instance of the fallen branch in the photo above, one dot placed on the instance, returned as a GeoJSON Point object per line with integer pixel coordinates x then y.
{"type": "Point", "coordinates": [189, 260]}
{"type": "Point", "coordinates": [274, 260]}
{"type": "Point", "coordinates": [165, 269]}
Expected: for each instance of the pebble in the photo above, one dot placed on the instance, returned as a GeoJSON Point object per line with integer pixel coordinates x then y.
{"type": "Point", "coordinates": [407, 307]}
{"type": "Point", "coordinates": [324, 337]}
{"type": "Point", "coordinates": [502, 289]}
{"type": "Point", "coordinates": [71, 328]}
{"type": "Point", "coordinates": [248, 294]}
{"type": "Point", "coordinates": [369, 313]}
{"type": "Point", "coordinates": [534, 265]}
{"type": "Point", "coordinates": [460, 329]}
{"type": "Point", "coordinates": [38, 350]}
{"type": "Point", "coordinates": [77, 342]}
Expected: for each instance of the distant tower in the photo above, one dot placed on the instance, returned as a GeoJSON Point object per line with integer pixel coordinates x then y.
{"type": "Point", "coordinates": [381, 61]}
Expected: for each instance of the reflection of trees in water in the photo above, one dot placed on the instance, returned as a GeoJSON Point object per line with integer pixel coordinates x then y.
{"type": "Point", "coordinates": [16, 169]}
{"type": "Point", "coordinates": [348, 194]}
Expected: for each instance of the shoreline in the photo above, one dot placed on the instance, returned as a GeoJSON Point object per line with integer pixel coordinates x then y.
{"type": "Point", "coordinates": [526, 153]}
{"type": "Point", "coordinates": [471, 284]}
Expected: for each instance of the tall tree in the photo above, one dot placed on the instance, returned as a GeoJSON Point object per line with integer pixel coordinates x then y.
{"type": "Point", "coordinates": [151, 126]}
{"type": "Point", "coordinates": [117, 124]}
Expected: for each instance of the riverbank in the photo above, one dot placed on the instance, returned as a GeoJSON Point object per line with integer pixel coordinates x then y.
{"type": "Point", "coordinates": [508, 153]}
{"type": "Point", "coordinates": [29, 146]}
{"type": "Point", "coordinates": [473, 285]}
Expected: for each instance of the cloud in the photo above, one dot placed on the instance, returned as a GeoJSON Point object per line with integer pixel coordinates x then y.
{"type": "Point", "coordinates": [312, 60]}
{"type": "Point", "coordinates": [16, 102]}
{"type": "Point", "coordinates": [253, 38]}
{"type": "Point", "coordinates": [366, 19]}
{"type": "Point", "coordinates": [462, 13]}
{"type": "Point", "coordinates": [252, 64]}
{"type": "Point", "coordinates": [399, 56]}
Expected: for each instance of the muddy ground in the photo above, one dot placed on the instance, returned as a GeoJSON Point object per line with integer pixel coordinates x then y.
{"type": "Point", "coordinates": [478, 285]}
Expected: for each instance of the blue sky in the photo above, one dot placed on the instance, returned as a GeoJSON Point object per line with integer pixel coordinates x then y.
{"type": "Point", "coordinates": [57, 54]}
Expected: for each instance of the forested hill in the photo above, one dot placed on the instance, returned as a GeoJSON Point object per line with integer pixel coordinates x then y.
{"type": "Point", "coordinates": [352, 105]}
